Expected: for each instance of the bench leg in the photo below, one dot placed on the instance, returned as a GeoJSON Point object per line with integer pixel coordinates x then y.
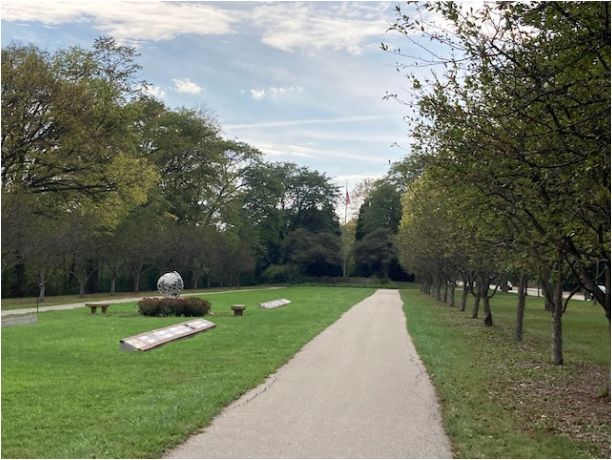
{"type": "Point", "coordinates": [93, 310]}
{"type": "Point", "coordinates": [104, 307]}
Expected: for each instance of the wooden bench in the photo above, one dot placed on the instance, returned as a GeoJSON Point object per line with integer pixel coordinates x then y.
{"type": "Point", "coordinates": [238, 309]}
{"type": "Point", "coordinates": [94, 307]}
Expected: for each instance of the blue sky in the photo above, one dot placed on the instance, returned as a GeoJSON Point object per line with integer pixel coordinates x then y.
{"type": "Point", "coordinates": [301, 81]}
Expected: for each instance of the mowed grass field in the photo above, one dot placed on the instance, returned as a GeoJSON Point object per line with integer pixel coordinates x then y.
{"type": "Point", "coordinates": [68, 392]}
{"type": "Point", "coordinates": [503, 399]}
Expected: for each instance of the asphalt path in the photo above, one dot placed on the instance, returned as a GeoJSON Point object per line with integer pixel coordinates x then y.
{"type": "Point", "coordinates": [357, 390]}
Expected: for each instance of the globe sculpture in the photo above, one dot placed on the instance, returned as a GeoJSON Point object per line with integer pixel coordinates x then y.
{"type": "Point", "coordinates": [170, 285]}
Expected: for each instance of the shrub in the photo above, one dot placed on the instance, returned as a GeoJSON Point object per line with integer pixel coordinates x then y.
{"type": "Point", "coordinates": [191, 306]}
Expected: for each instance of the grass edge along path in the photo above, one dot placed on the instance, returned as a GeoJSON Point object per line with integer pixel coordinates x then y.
{"type": "Point", "coordinates": [68, 392]}
{"type": "Point", "coordinates": [483, 378]}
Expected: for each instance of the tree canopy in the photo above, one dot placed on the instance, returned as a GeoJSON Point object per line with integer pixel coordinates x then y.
{"type": "Point", "coordinates": [103, 183]}
{"type": "Point", "coordinates": [516, 132]}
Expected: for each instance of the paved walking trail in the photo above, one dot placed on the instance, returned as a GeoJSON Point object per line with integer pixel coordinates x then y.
{"type": "Point", "coordinates": [357, 390]}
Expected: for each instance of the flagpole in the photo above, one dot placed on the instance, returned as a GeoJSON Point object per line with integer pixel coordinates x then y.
{"type": "Point", "coordinates": [345, 229]}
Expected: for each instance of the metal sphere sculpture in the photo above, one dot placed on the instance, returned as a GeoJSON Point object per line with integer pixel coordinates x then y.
{"type": "Point", "coordinates": [170, 285]}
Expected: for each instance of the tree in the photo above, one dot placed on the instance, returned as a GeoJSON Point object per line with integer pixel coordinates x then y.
{"type": "Point", "coordinates": [314, 254]}
{"type": "Point", "coordinates": [280, 198]}
{"type": "Point", "coordinates": [82, 247]}
{"type": "Point", "coordinates": [522, 117]}
{"type": "Point", "coordinates": [381, 209]}
{"type": "Point", "coordinates": [379, 217]}
{"type": "Point", "coordinates": [141, 239]}
{"type": "Point", "coordinates": [67, 130]}
{"type": "Point", "coordinates": [200, 171]}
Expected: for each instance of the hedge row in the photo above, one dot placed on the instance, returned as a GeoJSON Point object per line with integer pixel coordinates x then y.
{"type": "Point", "coordinates": [190, 306]}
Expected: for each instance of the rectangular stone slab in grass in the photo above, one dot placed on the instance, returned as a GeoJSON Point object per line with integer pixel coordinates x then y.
{"type": "Point", "coordinates": [158, 337]}
{"type": "Point", "coordinates": [274, 303]}
{"type": "Point", "coordinates": [19, 320]}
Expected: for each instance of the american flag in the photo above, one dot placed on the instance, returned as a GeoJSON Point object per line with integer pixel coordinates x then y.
{"type": "Point", "coordinates": [348, 198]}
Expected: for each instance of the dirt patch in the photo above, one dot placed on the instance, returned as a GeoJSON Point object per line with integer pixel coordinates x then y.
{"type": "Point", "coordinates": [571, 401]}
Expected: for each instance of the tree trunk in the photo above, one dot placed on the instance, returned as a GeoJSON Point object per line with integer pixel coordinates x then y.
{"type": "Point", "coordinates": [452, 295]}
{"type": "Point", "coordinates": [483, 289]}
{"type": "Point", "coordinates": [557, 337]}
{"type": "Point", "coordinates": [19, 290]}
{"type": "Point", "coordinates": [547, 305]}
{"type": "Point", "coordinates": [520, 307]}
{"type": "Point", "coordinates": [136, 274]}
{"type": "Point", "coordinates": [445, 297]}
{"type": "Point", "coordinates": [113, 282]}
{"type": "Point", "coordinates": [488, 321]}
{"type": "Point", "coordinates": [41, 287]}
{"type": "Point", "coordinates": [557, 313]}
{"type": "Point", "coordinates": [93, 282]}
{"type": "Point", "coordinates": [476, 304]}
{"type": "Point", "coordinates": [464, 296]}
{"type": "Point", "coordinates": [82, 289]}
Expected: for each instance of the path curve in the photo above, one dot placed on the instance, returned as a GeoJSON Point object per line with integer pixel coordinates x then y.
{"type": "Point", "coordinates": [357, 390]}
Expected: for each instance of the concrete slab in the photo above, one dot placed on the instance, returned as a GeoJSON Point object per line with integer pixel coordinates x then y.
{"type": "Point", "coordinates": [159, 337]}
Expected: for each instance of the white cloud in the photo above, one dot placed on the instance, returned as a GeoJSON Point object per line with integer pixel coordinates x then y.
{"type": "Point", "coordinates": [288, 26]}
{"type": "Point", "coordinates": [155, 91]}
{"type": "Point", "coordinates": [274, 92]}
{"type": "Point", "coordinates": [129, 20]}
{"type": "Point", "coordinates": [300, 151]}
{"type": "Point", "coordinates": [258, 94]}
{"type": "Point", "coordinates": [311, 27]}
{"type": "Point", "coordinates": [286, 151]}
{"type": "Point", "coordinates": [184, 85]}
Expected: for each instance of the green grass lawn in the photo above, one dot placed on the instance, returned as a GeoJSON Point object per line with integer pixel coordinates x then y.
{"type": "Point", "coordinates": [68, 392]}
{"type": "Point", "coordinates": [503, 399]}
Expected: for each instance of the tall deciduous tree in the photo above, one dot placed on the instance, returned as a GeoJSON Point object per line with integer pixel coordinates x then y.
{"type": "Point", "coordinates": [280, 198]}
{"type": "Point", "coordinates": [67, 130]}
{"type": "Point", "coordinates": [378, 217]}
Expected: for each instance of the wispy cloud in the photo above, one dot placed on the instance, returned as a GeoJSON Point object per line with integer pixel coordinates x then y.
{"type": "Point", "coordinates": [129, 20]}
{"type": "Point", "coordinates": [312, 121]}
{"type": "Point", "coordinates": [289, 26]}
{"type": "Point", "coordinates": [185, 85]}
{"type": "Point", "coordinates": [310, 27]}
{"type": "Point", "coordinates": [258, 94]}
{"type": "Point", "coordinates": [274, 92]}
{"type": "Point", "coordinates": [286, 151]}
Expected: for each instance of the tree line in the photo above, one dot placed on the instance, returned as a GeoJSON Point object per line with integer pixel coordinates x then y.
{"type": "Point", "coordinates": [104, 187]}
{"type": "Point", "coordinates": [509, 174]}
